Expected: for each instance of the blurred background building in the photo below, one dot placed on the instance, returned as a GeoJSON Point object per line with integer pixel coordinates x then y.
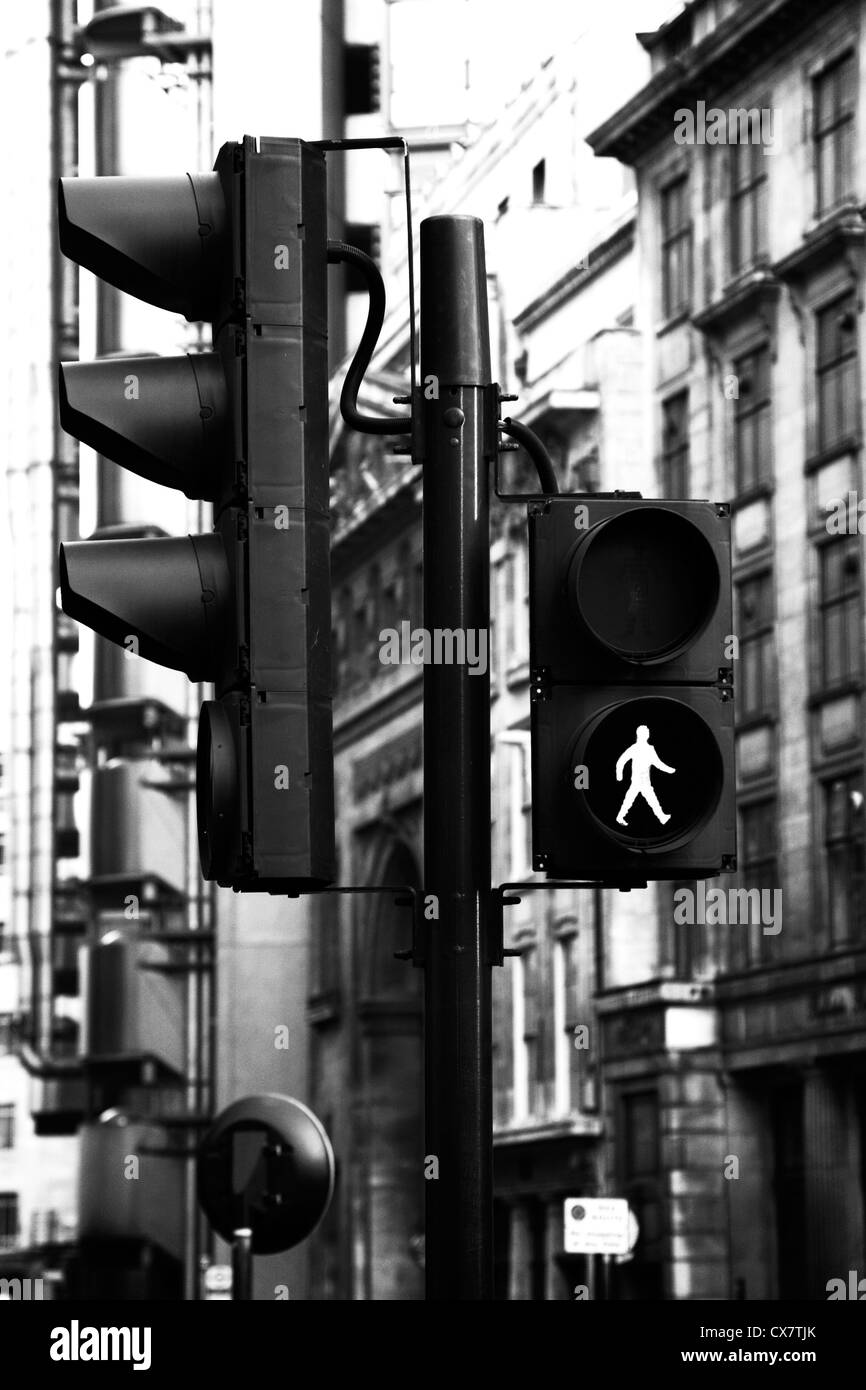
{"type": "Point", "coordinates": [678, 318]}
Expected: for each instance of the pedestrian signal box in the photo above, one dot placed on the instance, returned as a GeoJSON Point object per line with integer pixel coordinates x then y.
{"type": "Point", "coordinates": [631, 654]}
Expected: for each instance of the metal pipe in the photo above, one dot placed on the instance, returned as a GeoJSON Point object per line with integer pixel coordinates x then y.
{"type": "Point", "coordinates": [455, 354]}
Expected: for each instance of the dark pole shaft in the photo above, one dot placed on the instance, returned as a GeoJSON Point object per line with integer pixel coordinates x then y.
{"type": "Point", "coordinates": [455, 368]}
{"type": "Point", "coordinates": [242, 1263]}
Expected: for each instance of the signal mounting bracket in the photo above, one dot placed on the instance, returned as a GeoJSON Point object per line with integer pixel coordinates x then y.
{"type": "Point", "coordinates": [504, 895]}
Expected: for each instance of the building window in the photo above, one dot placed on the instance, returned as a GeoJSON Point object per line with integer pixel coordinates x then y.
{"type": "Point", "coordinates": [758, 869]}
{"type": "Point", "coordinates": [756, 694]}
{"type": "Point", "coordinates": [844, 847]}
{"type": "Point", "coordinates": [748, 205]}
{"type": "Point", "coordinates": [640, 1134]}
{"type": "Point", "coordinates": [836, 371]}
{"type": "Point", "coordinates": [526, 808]}
{"type": "Point", "coordinates": [676, 248]}
{"type": "Point", "coordinates": [563, 970]}
{"type": "Point", "coordinates": [532, 1029]}
{"type": "Point", "coordinates": [7, 1126]}
{"type": "Point", "coordinates": [752, 437]}
{"type": "Point", "coordinates": [366, 237]}
{"type": "Point", "coordinates": [538, 181]}
{"type": "Point", "coordinates": [675, 446]}
{"type": "Point", "coordinates": [361, 78]}
{"type": "Point", "coordinates": [519, 807]}
{"type": "Point", "coordinates": [374, 623]}
{"type": "Point", "coordinates": [8, 1220]}
{"type": "Point", "coordinates": [839, 612]}
{"type": "Point", "coordinates": [416, 594]}
{"type": "Point", "coordinates": [508, 618]}
{"type": "Point", "coordinates": [361, 636]}
{"type": "Point", "coordinates": [518, 1045]}
{"type": "Point", "coordinates": [685, 934]}
{"type": "Point", "coordinates": [834, 98]}
{"type": "Point", "coordinates": [326, 937]}
{"type": "Point", "coordinates": [526, 1035]}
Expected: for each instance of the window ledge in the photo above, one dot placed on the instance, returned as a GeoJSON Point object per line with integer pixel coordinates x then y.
{"type": "Point", "coordinates": [824, 697]}
{"type": "Point", "coordinates": [517, 674]}
{"type": "Point", "coordinates": [759, 492]}
{"type": "Point", "coordinates": [849, 445]}
{"type": "Point", "coordinates": [764, 720]}
{"type": "Point", "coordinates": [668, 325]}
{"type": "Point", "coordinates": [839, 235]}
{"type": "Point", "coordinates": [754, 294]}
{"type": "Point", "coordinates": [324, 1008]}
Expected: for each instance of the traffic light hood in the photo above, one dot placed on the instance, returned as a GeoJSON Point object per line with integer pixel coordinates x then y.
{"type": "Point", "coordinates": [166, 599]}
{"type": "Point", "coordinates": [159, 239]}
{"type": "Point", "coordinates": [164, 418]}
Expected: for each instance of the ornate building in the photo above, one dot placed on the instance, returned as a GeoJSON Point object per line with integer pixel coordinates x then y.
{"type": "Point", "coordinates": [752, 1137]}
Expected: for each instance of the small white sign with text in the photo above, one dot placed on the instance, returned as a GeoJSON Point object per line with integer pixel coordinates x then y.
{"type": "Point", "coordinates": [597, 1226]}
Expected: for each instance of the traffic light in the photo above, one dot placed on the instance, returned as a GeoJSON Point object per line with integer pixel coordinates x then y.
{"type": "Point", "coordinates": [632, 689]}
{"type": "Point", "coordinates": [246, 428]}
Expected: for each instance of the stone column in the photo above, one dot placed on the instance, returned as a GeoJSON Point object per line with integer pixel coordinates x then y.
{"type": "Point", "coordinates": [554, 1284]}
{"type": "Point", "coordinates": [833, 1197]}
{"type": "Point", "coordinates": [520, 1254]}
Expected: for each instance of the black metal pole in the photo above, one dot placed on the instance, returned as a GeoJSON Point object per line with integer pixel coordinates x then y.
{"type": "Point", "coordinates": [455, 369]}
{"type": "Point", "coordinates": [242, 1263]}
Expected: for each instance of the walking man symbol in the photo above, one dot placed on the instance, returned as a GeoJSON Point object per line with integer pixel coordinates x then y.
{"type": "Point", "coordinates": [642, 757]}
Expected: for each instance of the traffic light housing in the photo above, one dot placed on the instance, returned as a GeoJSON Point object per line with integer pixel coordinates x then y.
{"type": "Point", "coordinates": [632, 689]}
{"type": "Point", "coordinates": [244, 427]}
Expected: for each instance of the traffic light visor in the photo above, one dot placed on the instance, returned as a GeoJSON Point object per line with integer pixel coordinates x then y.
{"type": "Point", "coordinates": [159, 239]}
{"type": "Point", "coordinates": [164, 418]}
{"type": "Point", "coordinates": [167, 599]}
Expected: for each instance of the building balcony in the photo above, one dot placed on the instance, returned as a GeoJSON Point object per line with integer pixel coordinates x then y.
{"type": "Point", "coordinates": [70, 907]}
{"type": "Point", "coordinates": [754, 295]}
{"type": "Point", "coordinates": [838, 237]}
{"type": "Point", "coordinates": [642, 1024]}
{"type": "Point", "coordinates": [57, 1093]}
{"type": "Point", "coordinates": [112, 1206]}
{"type": "Point", "coordinates": [133, 1005]}
{"type": "Point", "coordinates": [138, 829]}
{"type": "Point", "coordinates": [67, 842]}
{"type": "Point", "coordinates": [575, 1125]}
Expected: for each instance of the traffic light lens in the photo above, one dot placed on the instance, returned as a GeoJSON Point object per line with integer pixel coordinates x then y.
{"type": "Point", "coordinates": [644, 584]}
{"type": "Point", "coordinates": [669, 765]}
{"type": "Point", "coordinates": [216, 787]}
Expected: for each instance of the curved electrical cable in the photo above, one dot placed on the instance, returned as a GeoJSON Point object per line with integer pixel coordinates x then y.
{"type": "Point", "coordinates": [367, 424]}
{"type": "Point", "coordinates": [536, 451]}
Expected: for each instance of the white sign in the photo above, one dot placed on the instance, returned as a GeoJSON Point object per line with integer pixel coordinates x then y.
{"type": "Point", "coordinates": [598, 1226]}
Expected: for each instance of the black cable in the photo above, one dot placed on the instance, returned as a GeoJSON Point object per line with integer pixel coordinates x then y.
{"type": "Point", "coordinates": [367, 424]}
{"type": "Point", "coordinates": [536, 451]}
